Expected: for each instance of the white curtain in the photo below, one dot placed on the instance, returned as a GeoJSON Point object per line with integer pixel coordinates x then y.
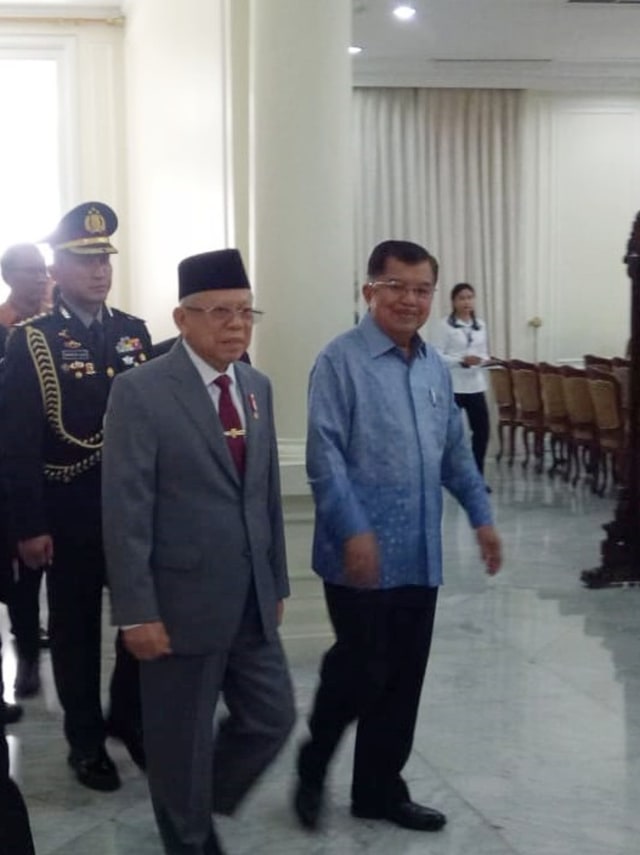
{"type": "Point", "coordinates": [441, 167]}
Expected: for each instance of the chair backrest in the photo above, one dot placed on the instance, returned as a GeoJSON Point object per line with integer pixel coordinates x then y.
{"type": "Point", "coordinates": [604, 389]}
{"type": "Point", "coordinates": [603, 363]}
{"type": "Point", "coordinates": [551, 389]}
{"type": "Point", "coordinates": [502, 388]}
{"type": "Point", "coordinates": [526, 387]}
{"type": "Point", "coordinates": [578, 398]}
{"type": "Point", "coordinates": [621, 371]}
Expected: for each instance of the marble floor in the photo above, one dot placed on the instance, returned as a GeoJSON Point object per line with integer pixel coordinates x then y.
{"type": "Point", "coordinates": [529, 733]}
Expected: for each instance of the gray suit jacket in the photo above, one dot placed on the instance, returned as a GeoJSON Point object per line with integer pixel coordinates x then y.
{"type": "Point", "coordinates": [184, 538]}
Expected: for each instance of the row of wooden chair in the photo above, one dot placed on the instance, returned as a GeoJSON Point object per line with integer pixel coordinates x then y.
{"type": "Point", "coordinates": [583, 413]}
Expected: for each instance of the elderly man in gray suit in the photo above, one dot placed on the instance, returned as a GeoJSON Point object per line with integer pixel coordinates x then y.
{"type": "Point", "coordinates": [195, 549]}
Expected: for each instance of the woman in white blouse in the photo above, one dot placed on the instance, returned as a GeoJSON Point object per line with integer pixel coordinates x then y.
{"type": "Point", "coordinates": [462, 341]}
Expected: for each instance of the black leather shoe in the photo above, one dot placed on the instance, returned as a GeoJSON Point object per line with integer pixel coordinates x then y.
{"type": "Point", "coordinates": [406, 814]}
{"type": "Point", "coordinates": [308, 803]}
{"type": "Point", "coordinates": [96, 770]}
{"type": "Point", "coordinates": [131, 738]}
{"type": "Point", "coordinates": [27, 678]}
{"type": "Point", "coordinates": [10, 713]}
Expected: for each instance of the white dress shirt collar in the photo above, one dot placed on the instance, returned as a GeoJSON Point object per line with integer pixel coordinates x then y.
{"type": "Point", "coordinates": [207, 372]}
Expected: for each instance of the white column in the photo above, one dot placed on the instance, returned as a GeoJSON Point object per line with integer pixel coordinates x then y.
{"type": "Point", "coordinates": [300, 205]}
{"type": "Point", "coordinates": [177, 150]}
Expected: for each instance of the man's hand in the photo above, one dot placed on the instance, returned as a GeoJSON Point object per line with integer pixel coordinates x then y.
{"type": "Point", "coordinates": [147, 641]}
{"type": "Point", "coordinates": [362, 560]}
{"type": "Point", "coordinates": [36, 552]}
{"type": "Point", "coordinates": [490, 548]}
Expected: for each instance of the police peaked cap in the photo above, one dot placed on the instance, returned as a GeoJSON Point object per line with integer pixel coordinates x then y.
{"type": "Point", "coordinates": [86, 230]}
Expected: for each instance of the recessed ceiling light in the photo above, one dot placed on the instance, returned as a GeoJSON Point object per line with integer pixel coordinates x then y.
{"type": "Point", "coordinates": [354, 50]}
{"type": "Point", "coordinates": [404, 12]}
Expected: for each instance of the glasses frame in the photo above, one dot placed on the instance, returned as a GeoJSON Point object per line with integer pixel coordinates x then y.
{"type": "Point", "coordinates": [400, 289]}
{"type": "Point", "coordinates": [226, 315]}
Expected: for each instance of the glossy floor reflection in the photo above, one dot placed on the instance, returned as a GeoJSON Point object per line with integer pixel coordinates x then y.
{"type": "Point", "coordinates": [529, 734]}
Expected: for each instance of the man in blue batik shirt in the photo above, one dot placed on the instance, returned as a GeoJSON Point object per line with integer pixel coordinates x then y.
{"type": "Point", "coordinates": [384, 437]}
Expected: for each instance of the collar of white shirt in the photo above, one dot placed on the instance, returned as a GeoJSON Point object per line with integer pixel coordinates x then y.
{"type": "Point", "coordinates": [207, 372]}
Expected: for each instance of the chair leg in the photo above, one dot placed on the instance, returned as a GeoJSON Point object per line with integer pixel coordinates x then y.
{"type": "Point", "coordinates": [538, 447]}
{"type": "Point", "coordinates": [512, 444]}
{"type": "Point", "coordinates": [525, 440]}
{"type": "Point", "coordinates": [500, 442]}
{"type": "Point", "coordinates": [576, 460]}
{"type": "Point", "coordinates": [600, 475]}
{"type": "Point", "coordinates": [569, 452]}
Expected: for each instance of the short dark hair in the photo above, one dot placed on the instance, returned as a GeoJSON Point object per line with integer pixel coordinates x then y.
{"type": "Point", "coordinates": [461, 286]}
{"type": "Point", "coordinates": [457, 289]}
{"type": "Point", "coordinates": [402, 250]}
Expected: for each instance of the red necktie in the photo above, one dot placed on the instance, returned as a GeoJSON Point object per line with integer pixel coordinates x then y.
{"type": "Point", "coordinates": [231, 423]}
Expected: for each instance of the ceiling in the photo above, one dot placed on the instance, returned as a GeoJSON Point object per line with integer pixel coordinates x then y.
{"type": "Point", "coordinates": [554, 43]}
{"type": "Point", "coordinates": [498, 42]}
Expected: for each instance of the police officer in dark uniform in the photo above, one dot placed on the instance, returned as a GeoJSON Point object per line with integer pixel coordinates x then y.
{"type": "Point", "coordinates": [57, 376]}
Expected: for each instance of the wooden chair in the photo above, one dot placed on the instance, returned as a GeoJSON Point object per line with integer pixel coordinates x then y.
{"type": "Point", "coordinates": [606, 397]}
{"type": "Point", "coordinates": [554, 409]}
{"type": "Point", "coordinates": [582, 422]}
{"type": "Point", "coordinates": [526, 391]}
{"type": "Point", "coordinates": [621, 371]}
{"type": "Point", "coordinates": [602, 363]}
{"type": "Point", "coordinates": [502, 389]}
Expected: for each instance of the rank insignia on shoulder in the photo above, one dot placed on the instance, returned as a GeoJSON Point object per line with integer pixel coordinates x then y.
{"type": "Point", "coordinates": [27, 321]}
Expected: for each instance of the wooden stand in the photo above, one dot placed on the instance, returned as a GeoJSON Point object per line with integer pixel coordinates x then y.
{"type": "Point", "coordinates": [620, 550]}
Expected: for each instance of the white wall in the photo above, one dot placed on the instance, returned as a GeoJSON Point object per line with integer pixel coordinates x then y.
{"type": "Point", "coordinates": [176, 146]}
{"type": "Point", "coordinates": [582, 191]}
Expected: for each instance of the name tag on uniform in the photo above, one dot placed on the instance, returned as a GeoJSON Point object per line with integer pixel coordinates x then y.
{"type": "Point", "coordinates": [80, 355]}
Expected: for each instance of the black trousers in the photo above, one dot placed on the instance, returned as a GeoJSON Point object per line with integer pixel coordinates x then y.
{"type": "Point", "coordinates": [74, 588]}
{"type": "Point", "coordinates": [15, 833]}
{"type": "Point", "coordinates": [475, 406]}
{"type": "Point", "coordinates": [23, 603]}
{"type": "Point", "coordinates": [373, 674]}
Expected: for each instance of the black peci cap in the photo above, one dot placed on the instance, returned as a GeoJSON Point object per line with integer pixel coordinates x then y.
{"type": "Point", "coordinates": [210, 271]}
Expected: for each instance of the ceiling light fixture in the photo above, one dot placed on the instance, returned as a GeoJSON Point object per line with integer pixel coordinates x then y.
{"type": "Point", "coordinates": [354, 50]}
{"type": "Point", "coordinates": [404, 12]}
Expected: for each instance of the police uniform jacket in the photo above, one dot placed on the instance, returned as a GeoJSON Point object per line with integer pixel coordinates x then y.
{"type": "Point", "coordinates": [55, 384]}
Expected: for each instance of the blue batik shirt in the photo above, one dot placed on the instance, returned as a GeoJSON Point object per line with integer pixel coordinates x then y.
{"type": "Point", "coordinates": [384, 436]}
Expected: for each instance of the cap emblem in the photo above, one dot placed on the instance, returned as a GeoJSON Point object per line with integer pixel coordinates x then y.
{"type": "Point", "coordinates": [94, 222]}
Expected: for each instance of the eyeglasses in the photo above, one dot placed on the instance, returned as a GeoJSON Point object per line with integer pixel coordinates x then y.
{"type": "Point", "coordinates": [399, 288]}
{"type": "Point", "coordinates": [223, 315]}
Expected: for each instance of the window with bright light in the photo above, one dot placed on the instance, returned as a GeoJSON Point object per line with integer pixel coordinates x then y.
{"type": "Point", "coordinates": [29, 151]}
